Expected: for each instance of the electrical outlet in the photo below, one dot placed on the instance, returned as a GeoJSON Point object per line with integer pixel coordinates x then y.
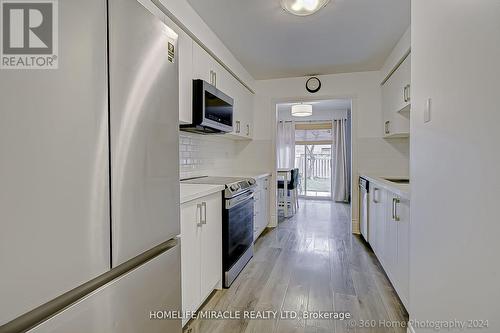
{"type": "Point", "coordinates": [427, 111]}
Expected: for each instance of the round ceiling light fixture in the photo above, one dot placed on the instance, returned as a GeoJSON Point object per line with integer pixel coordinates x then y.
{"type": "Point", "coordinates": [302, 110]}
{"type": "Point", "coordinates": [303, 7]}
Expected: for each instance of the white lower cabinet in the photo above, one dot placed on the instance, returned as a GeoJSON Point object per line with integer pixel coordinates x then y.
{"type": "Point", "coordinates": [377, 217]}
{"type": "Point", "coordinates": [261, 206]}
{"type": "Point", "coordinates": [402, 211]}
{"type": "Point", "coordinates": [201, 250]}
{"type": "Point", "coordinates": [389, 224]}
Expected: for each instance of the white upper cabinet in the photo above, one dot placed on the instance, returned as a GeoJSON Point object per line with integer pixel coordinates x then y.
{"type": "Point", "coordinates": [203, 64]}
{"type": "Point", "coordinates": [185, 58]}
{"type": "Point", "coordinates": [208, 69]}
{"type": "Point", "coordinates": [396, 101]}
{"type": "Point", "coordinates": [243, 110]}
{"type": "Point", "coordinates": [196, 63]}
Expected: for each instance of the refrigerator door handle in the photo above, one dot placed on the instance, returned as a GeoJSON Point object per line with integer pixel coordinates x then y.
{"type": "Point", "coordinates": [47, 310]}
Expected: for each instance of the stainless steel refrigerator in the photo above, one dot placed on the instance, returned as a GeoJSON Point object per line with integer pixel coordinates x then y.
{"type": "Point", "coordinates": [89, 191]}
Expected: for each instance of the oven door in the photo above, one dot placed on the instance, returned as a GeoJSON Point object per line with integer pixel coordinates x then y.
{"type": "Point", "coordinates": [237, 229]}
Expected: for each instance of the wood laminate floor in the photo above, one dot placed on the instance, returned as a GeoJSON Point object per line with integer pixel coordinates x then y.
{"type": "Point", "coordinates": [310, 262]}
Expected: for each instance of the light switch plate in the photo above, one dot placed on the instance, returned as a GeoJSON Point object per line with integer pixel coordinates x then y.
{"type": "Point", "coordinates": [427, 111]}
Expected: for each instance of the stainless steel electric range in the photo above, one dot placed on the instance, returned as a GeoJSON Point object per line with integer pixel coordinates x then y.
{"type": "Point", "coordinates": [237, 223]}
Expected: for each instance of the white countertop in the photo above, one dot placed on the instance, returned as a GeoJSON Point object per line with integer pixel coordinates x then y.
{"type": "Point", "coordinates": [191, 192]}
{"type": "Point", "coordinates": [403, 190]}
{"type": "Point", "coordinates": [254, 175]}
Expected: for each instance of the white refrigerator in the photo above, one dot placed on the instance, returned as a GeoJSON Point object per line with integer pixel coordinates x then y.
{"type": "Point", "coordinates": [89, 190]}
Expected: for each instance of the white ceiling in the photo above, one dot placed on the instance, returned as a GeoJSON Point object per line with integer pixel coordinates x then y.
{"type": "Point", "coordinates": [345, 36]}
{"type": "Point", "coordinates": [322, 110]}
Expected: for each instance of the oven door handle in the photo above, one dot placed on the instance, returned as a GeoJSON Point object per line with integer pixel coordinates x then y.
{"type": "Point", "coordinates": [240, 199]}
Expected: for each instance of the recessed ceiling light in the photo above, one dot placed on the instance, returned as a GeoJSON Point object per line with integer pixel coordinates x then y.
{"type": "Point", "coordinates": [303, 7]}
{"type": "Point", "coordinates": [302, 110]}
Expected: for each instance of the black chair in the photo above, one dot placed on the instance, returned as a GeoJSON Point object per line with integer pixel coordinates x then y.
{"type": "Point", "coordinates": [293, 182]}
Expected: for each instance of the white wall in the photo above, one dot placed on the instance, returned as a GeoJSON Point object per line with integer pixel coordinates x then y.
{"type": "Point", "coordinates": [202, 155]}
{"type": "Point", "coordinates": [371, 153]}
{"type": "Point", "coordinates": [455, 161]}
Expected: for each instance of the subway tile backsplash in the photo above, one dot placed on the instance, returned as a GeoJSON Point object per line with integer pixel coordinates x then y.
{"type": "Point", "coordinates": [205, 154]}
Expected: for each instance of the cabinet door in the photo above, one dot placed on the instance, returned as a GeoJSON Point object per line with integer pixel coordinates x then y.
{"type": "Point", "coordinates": [190, 254]}
{"type": "Point", "coordinates": [403, 258]}
{"type": "Point", "coordinates": [202, 64]}
{"type": "Point", "coordinates": [211, 244]}
{"type": "Point", "coordinates": [372, 217]}
{"type": "Point", "coordinates": [238, 109]}
{"type": "Point", "coordinates": [395, 104]}
{"type": "Point", "coordinates": [387, 98]}
{"type": "Point", "coordinates": [381, 218]}
{"type": "Point", "coordinates": [247, 115]}
{"type": "Point", "coordinates": [391, 240]}
{"type": "Point", "coordinates": [402, 80]}
{"type": "Point", "coordinates": [377, 220]}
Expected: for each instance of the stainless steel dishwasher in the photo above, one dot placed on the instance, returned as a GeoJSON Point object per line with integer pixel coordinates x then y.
{"type": "Point", "coordinates": [364, 200]}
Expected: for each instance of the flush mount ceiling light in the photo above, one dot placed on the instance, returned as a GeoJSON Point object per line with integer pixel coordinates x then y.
{"type": "Point", "coordinates": [302, 110]}
{"type": "Point", "coordinates": [303, 7]}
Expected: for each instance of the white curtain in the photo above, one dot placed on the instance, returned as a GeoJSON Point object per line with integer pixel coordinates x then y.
{"type": "Point", "coordinates": [341, 183]}
{"type": "Point", "coordinates": [286, 144]}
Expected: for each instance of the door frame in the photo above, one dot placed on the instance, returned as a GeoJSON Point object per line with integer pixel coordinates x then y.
{"type": "Point", "coordinates": [354, 152]}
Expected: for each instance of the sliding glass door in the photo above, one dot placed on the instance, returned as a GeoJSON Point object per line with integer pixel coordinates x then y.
{"type": "Point", "coordinates": [313, 158]}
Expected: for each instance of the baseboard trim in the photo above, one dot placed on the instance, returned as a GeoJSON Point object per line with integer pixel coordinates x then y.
{"type": "Point", "coordinates": [355, 227]}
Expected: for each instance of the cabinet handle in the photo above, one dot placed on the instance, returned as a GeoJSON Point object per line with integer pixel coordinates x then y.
{"type": "Point", "coordinates": [406, 93]}
{"type": "Point", "coordinates": [211, 77]}
{"type": "Point", "coordinates": [215, 79]}
{"type": "Point", "coordinates": [248, 130]}
{"type": "Point", "coordinates": [387, 131]}
{"type": "Point", "coordinates": [395, 202]}
{"type": "Point", "coordinates": [237, 126]}
{"type": "Point", "coordinates": [200, 215]}
{"type": "Point", "coordinates": [204, 207]}
{"type": "Point", "coordinates": [375, 190]}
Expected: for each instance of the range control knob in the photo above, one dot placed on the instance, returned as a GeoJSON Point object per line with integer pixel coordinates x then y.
{"type": "Point", "coordinates": [234, 187]}
{"type": "Point", "coordinates": [251, 181]}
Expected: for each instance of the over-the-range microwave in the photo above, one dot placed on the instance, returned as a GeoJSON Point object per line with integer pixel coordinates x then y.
{"type": "Point", "coordinates": [212, 110]}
